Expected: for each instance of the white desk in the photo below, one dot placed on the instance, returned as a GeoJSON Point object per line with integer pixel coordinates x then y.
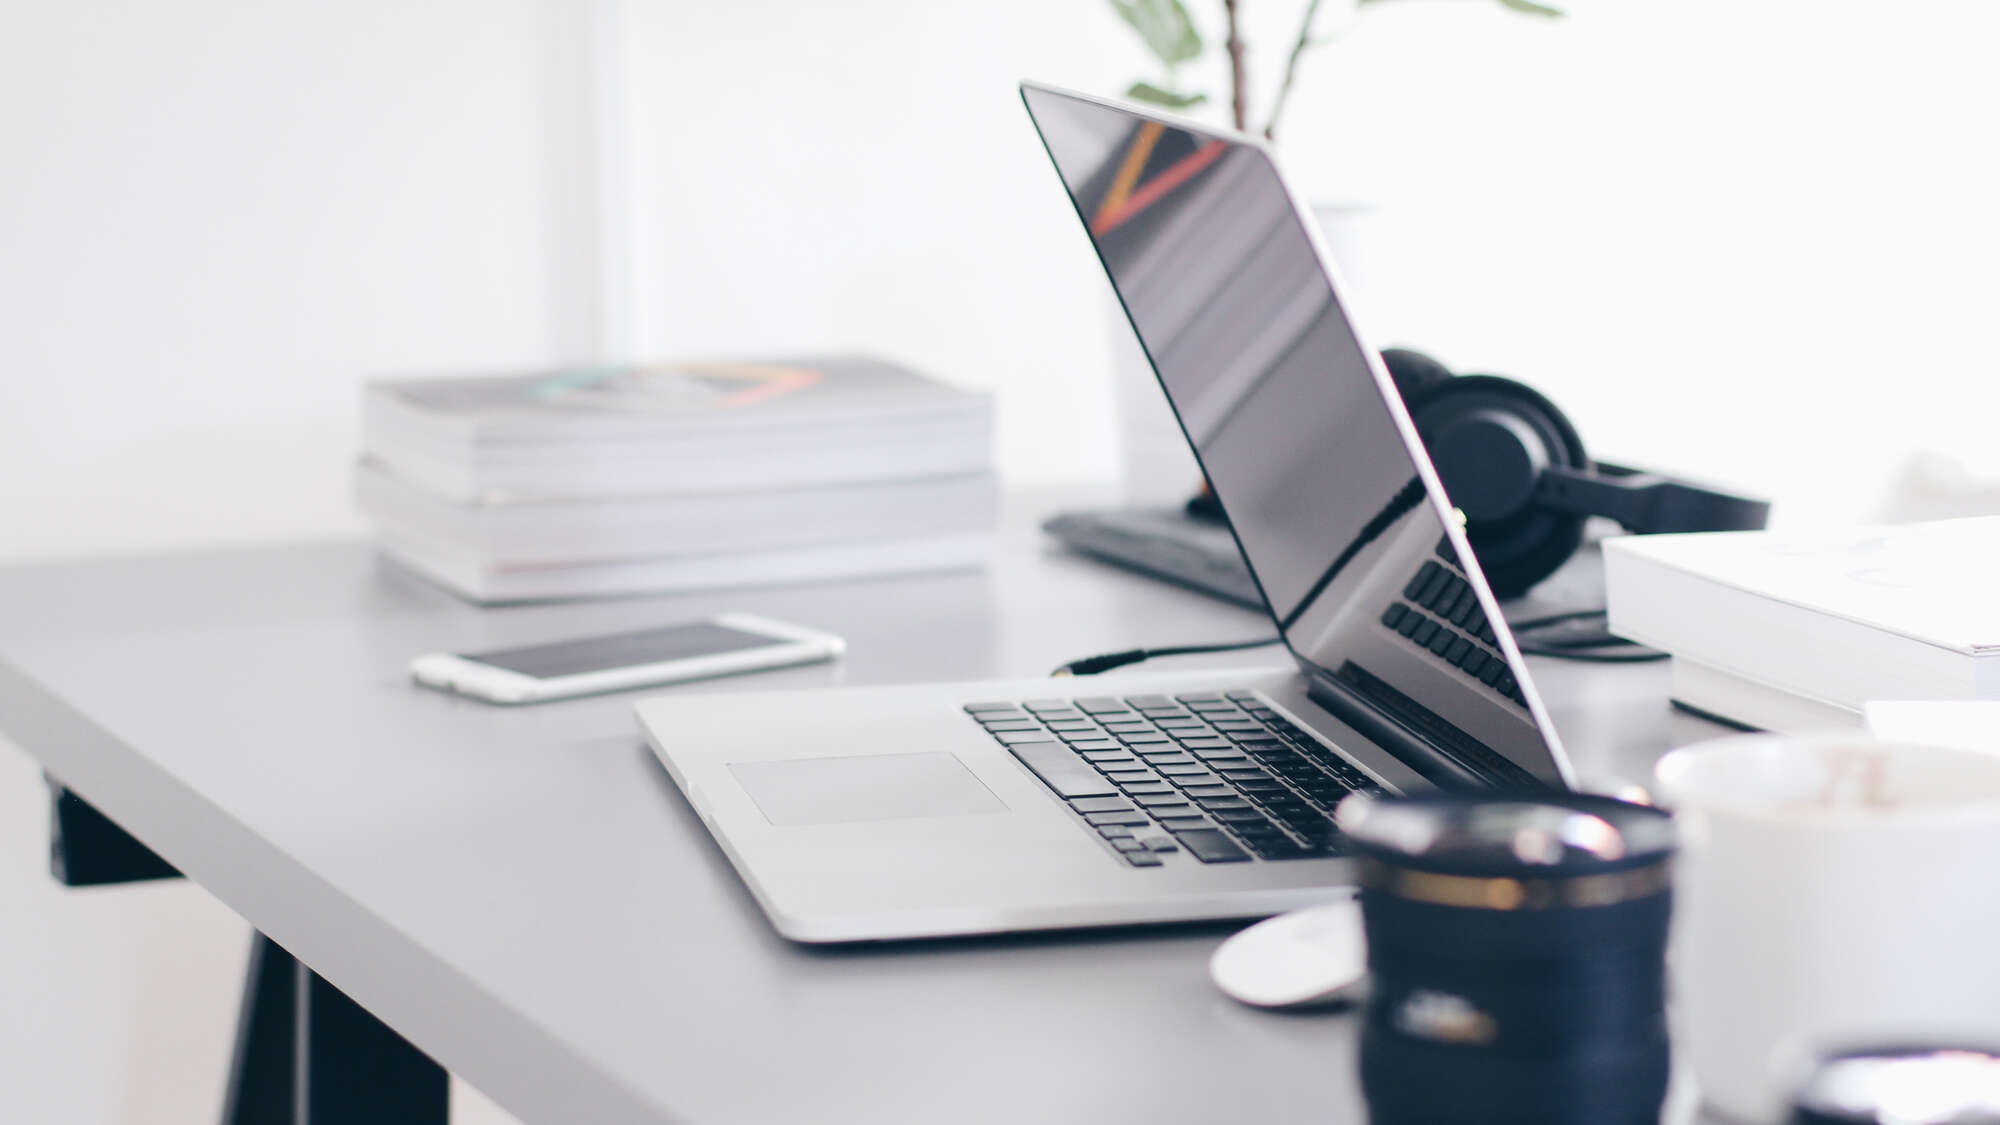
{"type": "Point", "coordinates": [524, 895]}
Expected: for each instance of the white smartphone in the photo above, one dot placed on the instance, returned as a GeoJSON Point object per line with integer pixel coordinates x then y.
{"type": "Point", "coordinates": [718, 646]}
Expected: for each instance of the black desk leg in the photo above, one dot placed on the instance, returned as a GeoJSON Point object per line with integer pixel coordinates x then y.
{"type": "Point", "coordinates": [260, 1070]}
{"type": "Point", "coordinates": [307, 1055]}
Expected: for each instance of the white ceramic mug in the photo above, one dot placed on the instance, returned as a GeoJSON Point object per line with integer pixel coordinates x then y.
{"type": "Point", "coordinates": [1832, 891]}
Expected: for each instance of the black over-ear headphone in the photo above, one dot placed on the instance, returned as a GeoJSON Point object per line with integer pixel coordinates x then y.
{"type": "Point", "coordinates": [1516, 467]}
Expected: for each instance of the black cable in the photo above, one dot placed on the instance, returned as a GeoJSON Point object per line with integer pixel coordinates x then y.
{"type": "Point", "coordinates": [1554, 619]}
{"type": "Point", "coordinates": [1580, 648]}
{"type": "Point", "coordinates": [1599, 639]}
{"type": "Point", "coordinates": [1594, 657]}
{"type": "Point", "coordinates": [1575, 648]}
{"type": "Point", "coordinates": [1092, 665]}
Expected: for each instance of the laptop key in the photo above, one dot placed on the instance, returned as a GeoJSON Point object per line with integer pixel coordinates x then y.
{"type": "Point", "coordinates": [1100, 804]}
{"type": "Point", "coordinates": [986, 708]}
{"type": "Point", "coordinates": [1165, 806]}
{"type": "Point", "coordinates": [1144, 787]}
{"type": "Point", "coordinates": [1099, 703]}
{"type": "Point", "coordinates": [1184, 823]}
{"type": "Point", "coordinates": [1210, 845]}
{"type": "Point", "coordinates": [1069, 724]}
{"type": "Point", "coordinates": [1114, 831]}
{"type": "Point", "coordinates": [1096, 744]}
{"type": "Point", "coordinates": [1143, 859]}
{"type": "Point", "coordinates": [1235, 817]}
{"type": "Point", "coordinates": [1017, 737]}
{"type": "Point", "coordinates": [1423, 577]}
{"type": "Point", "coordinates": [1283, 847]}
{"type": "Point", "coordinates": [1159, 843]}
{"type": "Point", "coordinates": [1209, 791]}
{"type": "Point", "coordinates": [1088, 734]}
{"type": "Point", "coordinates": [1148, 737]}
{"type": "Point", "coordinates": [1183, 771]}
{"type": "Point", "coordinates": [1144, 701]}
{"type": "Point", "coordinates": [1061, 771]}
{"type": "Point", "coordinates": [1128, 844]}
{"type": "Point", "coordinates": [1100, 819]}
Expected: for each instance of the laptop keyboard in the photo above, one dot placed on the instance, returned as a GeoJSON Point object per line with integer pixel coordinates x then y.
{"type": "Point", "coordinates": [1439, 612]}
{"type": "Point", "coordinates": [1216, 775]}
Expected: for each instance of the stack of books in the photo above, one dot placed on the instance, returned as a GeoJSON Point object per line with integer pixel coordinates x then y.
{"type": "Point", "coordinates": [1798, 632]}
{"type": "Point", "coordinates": [589, 483]}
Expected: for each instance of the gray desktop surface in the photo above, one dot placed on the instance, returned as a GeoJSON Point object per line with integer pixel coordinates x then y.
{"type": "Point", "coordinates": [524, 894]}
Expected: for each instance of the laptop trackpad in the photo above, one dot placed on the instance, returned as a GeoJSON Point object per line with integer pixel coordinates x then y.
{"type": "Point", "coordinates": [801, 791]}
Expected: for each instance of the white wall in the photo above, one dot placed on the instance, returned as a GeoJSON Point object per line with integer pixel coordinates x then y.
{"type": "Point", "coordinates": [817, 176]}
{"type": "Point", "coordinates": [1742, 239]}
{"type": "Point", "coordinates": [1753, 240]}
{"type": "Point", "coordinates": [216, 217]}
{"type": "Point", "coordinates": [1746, 238]}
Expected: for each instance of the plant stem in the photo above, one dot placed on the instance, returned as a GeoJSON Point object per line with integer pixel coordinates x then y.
{"type": "Point", "coordinates": [1239, 79]}
{"type": "Point", "coordinates": [1291, 66]}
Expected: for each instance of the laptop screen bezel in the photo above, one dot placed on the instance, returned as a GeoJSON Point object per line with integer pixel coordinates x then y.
{"type": "Point", "coordinates": [1434, 494]}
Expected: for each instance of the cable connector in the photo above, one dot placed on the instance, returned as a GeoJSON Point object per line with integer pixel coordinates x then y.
{"type": "Point", "coordinates": [1092, 665]}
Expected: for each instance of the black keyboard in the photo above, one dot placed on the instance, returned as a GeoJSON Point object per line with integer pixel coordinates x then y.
{"type": "Point", "coordinates": [1440, 613]}
{"type": "Point", "coordinates": [1217, 775]}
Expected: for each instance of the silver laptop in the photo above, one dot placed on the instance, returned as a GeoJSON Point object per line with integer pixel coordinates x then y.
{"type": "Point", "coordinates": [907, 812]}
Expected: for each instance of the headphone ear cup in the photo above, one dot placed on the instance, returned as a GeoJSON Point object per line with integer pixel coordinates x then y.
{"type": "Point", "coordinates": [1414, 373]}
{"type": "Point", "coordinates": [1489, 437]}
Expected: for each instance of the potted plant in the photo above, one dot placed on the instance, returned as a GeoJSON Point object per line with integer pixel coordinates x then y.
{"type": "Point", "coordinates": [1171, 36]}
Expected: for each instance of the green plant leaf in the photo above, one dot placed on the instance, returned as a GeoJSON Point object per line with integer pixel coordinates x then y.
{"type": "Point", "coordinates": [1530, 8]}
{"type": "Point", "coordinates": [1147, 92]}
{"type": "Point", "coordinates": [1165, 26]}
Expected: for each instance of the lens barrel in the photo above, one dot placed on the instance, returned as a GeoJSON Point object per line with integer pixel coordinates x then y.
{"type": "Point", "coordinates": [1517, 952]}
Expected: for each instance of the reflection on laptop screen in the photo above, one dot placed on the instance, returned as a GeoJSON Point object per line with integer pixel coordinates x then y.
{"type": "Point", "coordinates": [1227, 295]}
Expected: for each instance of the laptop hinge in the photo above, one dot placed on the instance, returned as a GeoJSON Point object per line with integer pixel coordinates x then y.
{"type": "Point", "coordinates": [1444, 755]}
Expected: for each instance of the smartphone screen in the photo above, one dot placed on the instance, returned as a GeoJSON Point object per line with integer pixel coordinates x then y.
{"type": "Point", "coordinates": [623, 650]}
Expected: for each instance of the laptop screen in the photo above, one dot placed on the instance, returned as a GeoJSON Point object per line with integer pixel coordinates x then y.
{"type": "Point", "coordinates": [1288, 413]}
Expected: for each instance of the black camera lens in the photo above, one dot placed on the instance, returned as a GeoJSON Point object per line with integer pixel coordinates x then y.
{"type": "Point", "coordinates": [1517, 958]}
{"type": "Point", "coordinates": [1903, 1086]}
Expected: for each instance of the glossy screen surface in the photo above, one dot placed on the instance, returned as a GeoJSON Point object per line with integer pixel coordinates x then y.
{"type": "Point", "coordinates": [1276, 393]}
{"type": "Point", "coordinates": [623, 650]}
